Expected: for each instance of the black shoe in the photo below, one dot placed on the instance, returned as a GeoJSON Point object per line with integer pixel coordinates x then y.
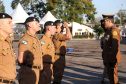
{"type": "Point", "coordinates": [102, 82]}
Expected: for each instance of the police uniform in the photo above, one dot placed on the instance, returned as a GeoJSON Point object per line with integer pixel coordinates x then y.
{"type": "Point", "coordinates": [48, 57]}
{"type": "Point", "coordinates": [7, 58]}
{"type": "Point", "coordinates": [60, 51]}
{"type": "Point", "coordinates": [32, 57]}
{"type": "Point", "coordinates": [112, 56]}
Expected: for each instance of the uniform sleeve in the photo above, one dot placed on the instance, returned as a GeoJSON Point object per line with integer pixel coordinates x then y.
{"type": "Point", "coordinates": [115, 45]}
{"type": "Point", "coordinates": [24, 45]}
{"type": "Point", "coordinates": [60, 36]}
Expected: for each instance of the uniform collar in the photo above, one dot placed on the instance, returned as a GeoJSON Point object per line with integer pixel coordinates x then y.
{"type": "Point", "coordinates": [3, 39]}
{"type": "Point", "coordinates": [48, 35]}
{"type": "Point", "coordinates": [29, 33]}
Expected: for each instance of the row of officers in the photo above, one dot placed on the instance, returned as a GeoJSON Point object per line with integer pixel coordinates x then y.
{"type": "Point", "coordinates": [40, 60]}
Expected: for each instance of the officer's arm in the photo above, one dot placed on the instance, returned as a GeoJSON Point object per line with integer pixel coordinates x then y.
{"type": "Point", "coordinates": [23, 46]}
{"type": "Point", "coordinates": [68, 33]}
{"type": "Point", "coordinates": [20, 57]}
{"type": "Point", "coordinates": [115, 45]}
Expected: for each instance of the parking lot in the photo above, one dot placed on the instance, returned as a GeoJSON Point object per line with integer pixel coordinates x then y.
{"type": "Point", "coordinates": [84, 65]}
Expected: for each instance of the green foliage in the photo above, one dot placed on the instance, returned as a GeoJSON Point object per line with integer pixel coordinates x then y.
{"type": "Point", "coordinates": [24, 31]}
{"type": "Point", "coordinates": [98, 30]}
{"type": "Point", "coordinates": [123, 17]}
{"type": "Point", "coordinates": [67, 10]}
{"type": "Point", "coordinates": [2, 7]}
{"type": "Point", "coordinates": [25, 3]}
{"type": "Point", "coordinates": [117, 20]}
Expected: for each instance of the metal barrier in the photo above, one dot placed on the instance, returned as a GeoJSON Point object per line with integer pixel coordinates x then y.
{"type": "Point", "coordinates": [17, 37]}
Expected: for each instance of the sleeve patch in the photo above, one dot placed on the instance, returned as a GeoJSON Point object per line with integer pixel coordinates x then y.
{"type": "Point", "coordinates": [43, 42]}
{"type": "Point", "coordinates": [24, 42]}
{"type": "Point", "coordinates": [115, 33]}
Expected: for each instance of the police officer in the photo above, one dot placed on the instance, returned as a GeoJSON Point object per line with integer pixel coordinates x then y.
{"type": "Point", "coordinates": [47, 53]}
{"type": "Point", "coordinates": [30, 54]}
{"type": "Point", "coordinates": [60, 50]}
{"type": "Point", "coordinates": [7, 57]}
{"type": "Point", "coordinates": [111, 48]}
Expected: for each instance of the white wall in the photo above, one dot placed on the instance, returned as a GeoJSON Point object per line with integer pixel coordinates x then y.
{"type": "Point", "coordinates": [77, 26]}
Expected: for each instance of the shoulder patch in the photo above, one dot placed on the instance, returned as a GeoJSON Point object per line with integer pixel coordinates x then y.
{"type": "Point", "coordinates": [115, 33]}
{"type": "Point", "coordinates": [43, 42]}
{"type": "Point", "coordinates": [24, 42]}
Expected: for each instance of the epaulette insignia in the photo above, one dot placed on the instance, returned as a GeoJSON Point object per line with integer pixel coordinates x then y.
{"type": "Point", "coordinates": [35, 43]}
{"type": "Point", "coordinates": [2, 38]}
{"type": "Point", "coordinates": [24, 42]}
{"type": "Point", "coordinates": [115, 33]}
{"type": "Point", "coordinates": [42, 42]}
{"type": "Point", "coordinates": [5, 49]}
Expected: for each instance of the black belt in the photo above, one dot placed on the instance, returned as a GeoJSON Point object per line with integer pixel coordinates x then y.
{"type": "Point", "coordinates": [49, 62]}
{"type": "Point", "coordinates": [60, 54]}
{"type": "Point", "coordinates": [31, 66]}
{"type": "Point", "coordinates": [5, 81]}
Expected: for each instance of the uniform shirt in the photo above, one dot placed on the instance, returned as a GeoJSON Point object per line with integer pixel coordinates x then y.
{"type": "Point", "coordinates": [7, 60]}
{"type": "Point", "coordinates": [47, 48]}
{"type": "Point", "coordinates": [112, 46]}
{"type": "Point", "coordinates": [60, 44]}
{"type": "Point", "coordinates": [31, 44]}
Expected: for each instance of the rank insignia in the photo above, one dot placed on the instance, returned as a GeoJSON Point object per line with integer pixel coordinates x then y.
{"type": "Point", "coordinates": [115, 33]}
{"type": "Point", "coordinates": [24, 42]}
{"type": "Point", "coordinates": [43, 42]}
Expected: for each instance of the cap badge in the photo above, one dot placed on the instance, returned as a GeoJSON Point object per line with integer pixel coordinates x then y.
{"type": "Point", "coordinates": [51, 23]}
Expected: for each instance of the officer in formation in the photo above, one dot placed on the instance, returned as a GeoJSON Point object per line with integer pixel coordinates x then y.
{"type": "Point", "coordinates": [30, 54]}
{"type": "Point", "coordinates": [47, 53]}
{"type": "Point", "coordinates": [7, 57]}
{"type": "Point", "coordinates": [60, 50]}
{"type": "Point", "coordinates": [111, 48]}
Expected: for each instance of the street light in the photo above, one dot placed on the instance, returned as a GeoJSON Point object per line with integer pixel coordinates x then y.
{"type": "Point", "coordinates": [120, 14]}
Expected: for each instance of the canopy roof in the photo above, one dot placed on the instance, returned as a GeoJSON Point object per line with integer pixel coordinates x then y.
{"type": "Point", "coordinates": [19, 15]}
{"type": "Point", "coordinates": [48, 17]}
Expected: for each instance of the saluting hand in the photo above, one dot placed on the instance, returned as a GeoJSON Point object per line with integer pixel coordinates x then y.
{"type": "Point", "coordinates": [65, 25]}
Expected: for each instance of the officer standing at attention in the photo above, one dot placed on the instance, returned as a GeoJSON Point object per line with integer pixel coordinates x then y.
{"type": "Point", "coordinates": [60, 50]}
{"type": "Point", "coordinates": [47, 53]}
{"type": "Point", "coordinates": [111, 48]}
{"type": "Point", "coordinates": [30, 54]}
{"type": "Point", "coordinates": [7, 57]}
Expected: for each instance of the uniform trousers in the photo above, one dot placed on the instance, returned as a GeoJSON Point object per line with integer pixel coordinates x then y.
{"type": "Point", "coordinates": [112, 73]}
{"type": "Point", "coordinates": [58, 68]}
{"type": "Point", "coordinates": [46, 75]}
{"type": "Point", "coordinates": [28, 75]}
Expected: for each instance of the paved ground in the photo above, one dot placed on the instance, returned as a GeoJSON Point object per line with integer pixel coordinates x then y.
{"type": "Point", "coordinates": [84, 65]}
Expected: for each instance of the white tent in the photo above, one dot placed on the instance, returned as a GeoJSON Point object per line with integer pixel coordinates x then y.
{"type": "Point", "coordinates": [48, 17]}
{"type": "Point", "coordinates": [80, 29]}
{"type": "Point", "coordinates": [19, 15]}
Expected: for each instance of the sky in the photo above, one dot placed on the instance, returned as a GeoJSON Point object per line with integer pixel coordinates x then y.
{"type": "Point", "coordinates": [102, 6]}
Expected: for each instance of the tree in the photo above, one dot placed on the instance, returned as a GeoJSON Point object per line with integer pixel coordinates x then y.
{"type": "Point", "coordinates": [2, 7]}
{"type": "Point", "coordinates": [98, 30]}
{"type": "Point", "coordinates": [25, 3]}
{"type": "Point", "coordinates": [67, 10]}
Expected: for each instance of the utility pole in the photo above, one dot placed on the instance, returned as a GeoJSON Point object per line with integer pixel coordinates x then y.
{"type": "Point", "coordinates": [121, 16]}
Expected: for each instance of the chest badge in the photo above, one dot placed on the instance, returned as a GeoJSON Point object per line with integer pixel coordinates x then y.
{"type": "Point", "coordinates": [107, 37]}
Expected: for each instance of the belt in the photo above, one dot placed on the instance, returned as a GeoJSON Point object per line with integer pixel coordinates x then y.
{"type": "Point", "coordinates": [60, 54]}
{"type": "Point", "coordinates": [5, 81]}
{"type": "Point", "coordinates": [31, 66]}
{"type": "Point", "coordinates": [49, 62]}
